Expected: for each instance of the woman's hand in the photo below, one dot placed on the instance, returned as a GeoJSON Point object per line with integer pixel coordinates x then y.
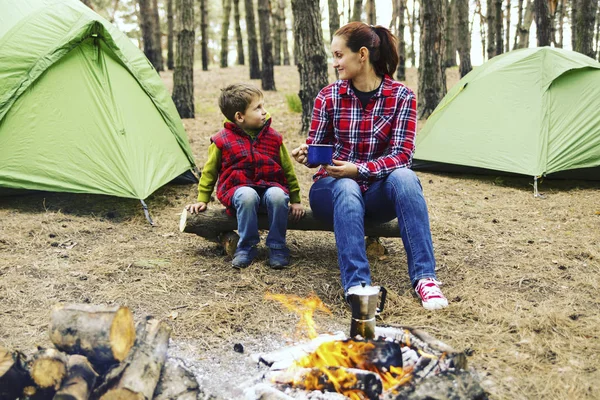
{"type": "Point", "coordinates": [196, 207]}
{"type": "Point", "coordinates": [300, 153]}
{"type": "Point", "coordinates": [341, 169]}
{"type": "Point", "coordinates": [297, 211]}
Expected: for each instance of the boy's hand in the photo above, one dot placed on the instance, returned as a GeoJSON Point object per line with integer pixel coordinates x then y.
{"type": "Point", "coordinates": [300, 153]}
{"type": "Point", "coordinates": [297, 211]}
{"type": "Point", "coordinates": [196, 207]}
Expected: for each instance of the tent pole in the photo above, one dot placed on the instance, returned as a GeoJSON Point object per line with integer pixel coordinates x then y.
{"type": "Point", "coordinates": [146, 213]}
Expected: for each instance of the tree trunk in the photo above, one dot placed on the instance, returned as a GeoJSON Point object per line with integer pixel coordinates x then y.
{"type": "Point", "coordinates": [276, 18]}
{"type": "Point", "coordinates": [464, 36]}
{"type": "Point", "coordinates": [584, 27]}
{"type": "Point", "coordinates": [157, 36]}
{"type": "Point", "coordinates": [523, 33]}
{"type": "Point", "coordinates": [561, 24]}
{"type": "Point", "coordinates": [49, 368]}
{"type": "Point", "coordinates": [334, 18]}
{"type": "Point", "coordinates": [238, 33]}
{"type": "Point", "coordinates": [252, 41]}
{"type": "Point", "coordinates": [574, 11]}
{"type": "Point", "coordinates": [148, 35]}
{"type": "Point", "coordinates": [507, 29]}
{"type": "Point", "coordinates": [499, 22]}
{"type": "Point", "coordinates": [267, 75]}
{"type": "Point", "coordinates": [432, 79]}
{"type": "Point", "coordinates": [80, 380]}
{"type": "Point", "coordinates": [183, 75]}
{"type": "Point", "coordinates": [412, 24]}
{"type": "Point", "coordinates": [371, 12]}
{"type": "Point", "coordinates": [225, 32]}
{"type": "Point", "coordinates": [136, 378]}
{"type": "Point", "coordinates": [212, 223]}
{"type": "Point", "coordinates": [104, 334]}
{"type": "Point", "coordinates": [176, 382]}
{"type": "Point", "coordinates": [357, 10]}
{"type": "Point", "coordinates": [519, 23]}
{"type": "Point", "coordinates": [597, 34]}
{"type": "Point", "coordinates": [170, 34]}
{"type": "Point", "coordinates": [482, 27]}
{"type": "Point", "coordinates": [450, 35]}
{"type": "Point", "coordinates": [14, 375]}
{"type": "Point", "coordinates": [401, 70]}
{"type": "Point", "coordinates": [203, 33]}
{"type": "Point", "coordinates": [542, 22]}
{"type": "Point", "coordinates": [491, 29]}
{"type": "Point", "coordinates": [284, 38]}
{"type": "Point", "coordinates": [312, 59]}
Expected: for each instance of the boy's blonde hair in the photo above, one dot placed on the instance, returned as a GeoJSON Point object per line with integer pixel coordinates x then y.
{"type": "Point", "coordinates": [237, 97]}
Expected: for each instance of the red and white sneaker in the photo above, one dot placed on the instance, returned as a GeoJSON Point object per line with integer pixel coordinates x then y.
{"type": "Point", "coordinates": [431, 296]}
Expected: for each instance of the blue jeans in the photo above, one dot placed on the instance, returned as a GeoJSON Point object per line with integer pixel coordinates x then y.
{"type": "Point", "coordinates": [248, 202]}
{"type": "Point", "coordinates": [399, 195]}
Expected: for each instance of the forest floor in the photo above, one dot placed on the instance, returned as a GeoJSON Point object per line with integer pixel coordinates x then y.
{"type": "Point", "coordinates": [522, 274]}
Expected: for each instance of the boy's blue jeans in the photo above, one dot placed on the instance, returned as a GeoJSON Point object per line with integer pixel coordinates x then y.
{"type": "Point", "coordinates": [340, 201]}
{"type": "Point", "coordinates": [248, 202]}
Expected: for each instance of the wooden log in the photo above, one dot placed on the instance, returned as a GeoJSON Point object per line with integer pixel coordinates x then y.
{"type": "Point", "coordinates": [136, 378]}
{"type": "Point", "coordinates": [80, 380]}
{"type": "Point", "coordinates": [49, 368]}
{"type": "Point", "coordinates": [176, 383]}
{"type": "Point", "coordinates": [104, 334]}
{"type": "Point", "coordinates": [346, 380]}
{"type": "Point", "coordinates": [14, 375]}
{"type": "Point", "coordinates": [210, 223]}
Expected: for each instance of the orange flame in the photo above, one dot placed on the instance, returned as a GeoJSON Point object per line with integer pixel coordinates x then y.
{"type": "Point", "coordinates": [304, 307]}
{"type": "Point", "coordinates": [350, 354]}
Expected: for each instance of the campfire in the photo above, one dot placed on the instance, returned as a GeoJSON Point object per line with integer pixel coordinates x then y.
{"type": "Point", "coordinates": [391, 365]}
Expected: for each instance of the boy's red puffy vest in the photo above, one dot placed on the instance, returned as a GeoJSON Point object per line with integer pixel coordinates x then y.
{"type": "Point", "coordinates": [248, 163]}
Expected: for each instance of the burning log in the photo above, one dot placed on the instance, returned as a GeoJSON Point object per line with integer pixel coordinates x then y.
{"type": "Point", "coordinates": [49, 368]}
{"type": "Point", "coordinates": [176, 382]}
{"type": "Point", "coordinates": [14, 375]}
{"type": "Point", "coordinates": [331, 379]}
{"type": "Point", "coordinates": [136, 378]}
{"type": "Point", "coordinates": [103, 334]}
{"type": "Point", "coordinates": [210, 223]}
{"type": "Point", "coordinates": [80, 380]}
{"type": "Point", "coordinates": [284, 358]}
{"type": "Point", "coordinates": [426, 343]}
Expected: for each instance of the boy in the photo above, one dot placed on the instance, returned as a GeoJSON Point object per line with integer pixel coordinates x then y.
{"type": "Point", "coordinates": [254, 173]}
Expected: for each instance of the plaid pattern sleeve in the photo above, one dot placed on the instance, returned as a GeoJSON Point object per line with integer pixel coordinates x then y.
{"type": "Point", "coordinates": [377, 139]}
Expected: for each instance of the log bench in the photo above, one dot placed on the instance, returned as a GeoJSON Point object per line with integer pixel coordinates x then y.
{"type": "Point", "coordinates": [218, 226]}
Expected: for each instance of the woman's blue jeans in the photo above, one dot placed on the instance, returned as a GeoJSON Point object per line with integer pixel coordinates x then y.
{"type": "Point", "coordinates": [248, 202]}
{"type": "Point", "coordinates": [341, 202]}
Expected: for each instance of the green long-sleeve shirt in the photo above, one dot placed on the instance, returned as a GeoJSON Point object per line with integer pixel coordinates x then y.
{"type": "Point", "coordinates": [210, 173]}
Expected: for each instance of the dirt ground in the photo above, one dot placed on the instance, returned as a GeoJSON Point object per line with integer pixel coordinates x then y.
{"type": "Point", "coordinates": [522, 274]}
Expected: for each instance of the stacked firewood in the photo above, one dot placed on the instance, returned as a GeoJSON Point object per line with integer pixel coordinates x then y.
{"type": "Point", "coordinates": [98, 354]}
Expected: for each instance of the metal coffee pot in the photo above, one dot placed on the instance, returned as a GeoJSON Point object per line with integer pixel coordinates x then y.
{"type": "Point", "coordinates": [363, 302]}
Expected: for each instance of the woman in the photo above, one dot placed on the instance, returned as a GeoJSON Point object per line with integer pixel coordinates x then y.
{"type": "Point", "coordinates": [371, 121]}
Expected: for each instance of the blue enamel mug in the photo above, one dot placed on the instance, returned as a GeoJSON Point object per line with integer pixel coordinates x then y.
{"type": "Point", "coordinates": [320, 154]}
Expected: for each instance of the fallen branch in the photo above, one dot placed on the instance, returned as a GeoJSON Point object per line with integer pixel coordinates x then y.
{"type": "Point", "coordinates": [14, 375]}
{"type": "Point", "coordinates": [80, 380]}
{"type": "Point", "coordinates": [210, 223]}
{"type": "Point", "coordinates": [104, 334]}
{"type": "Point", "coordinates": [49, 368]}
{"type": "Point", "coordinates": [136, 378]}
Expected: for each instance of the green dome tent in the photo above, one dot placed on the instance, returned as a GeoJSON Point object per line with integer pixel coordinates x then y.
{"type": "Point", "coordinates": [532, 111]}
{"type": "Point", "coordinates": [81, 108]}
